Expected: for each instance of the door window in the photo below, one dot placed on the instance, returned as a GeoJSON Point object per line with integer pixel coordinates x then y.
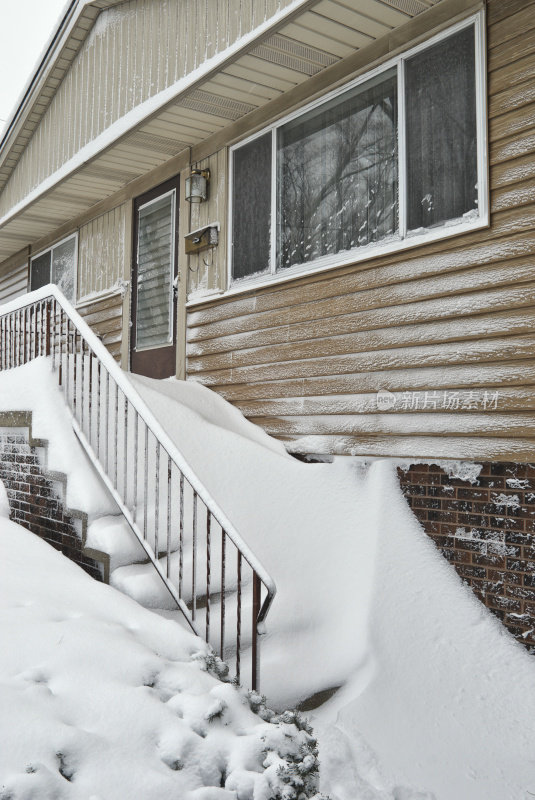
{"type": "Point", "coordinates": [155, 270]}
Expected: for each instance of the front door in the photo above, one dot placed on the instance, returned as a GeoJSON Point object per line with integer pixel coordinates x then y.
{"type": "Point", "coordinates": [154, 276]}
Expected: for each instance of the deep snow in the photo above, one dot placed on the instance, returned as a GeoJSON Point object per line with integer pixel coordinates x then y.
{"type": "Point", "coordinates": [434, 692]}
{"type": "Point", "coordinates": [103, 700]}
{"type": "Point", "coordinates": [447, 701]}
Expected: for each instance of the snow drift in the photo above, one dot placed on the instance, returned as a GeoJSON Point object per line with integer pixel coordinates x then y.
{"type": "Point", "coordinates": [103, 700]}
{"type": "Point", "coordinates": [427, 689]}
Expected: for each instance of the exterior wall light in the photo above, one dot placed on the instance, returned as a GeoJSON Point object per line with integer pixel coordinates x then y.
{"type": "Point", "coordinates": [197, 185]}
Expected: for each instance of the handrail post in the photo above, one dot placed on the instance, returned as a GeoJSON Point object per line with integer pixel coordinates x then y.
{"type": "Point", "coordinates": [47, 328]}
{"type": "Point", "coordinates": [255, 647]}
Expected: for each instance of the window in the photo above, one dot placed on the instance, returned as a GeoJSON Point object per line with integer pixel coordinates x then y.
{"type": "Point", "coordinates": [57, 265]}
{"type": "Point", "coordinates": [155, 270]}
{"type": "Point", "coordinates": [396, 158]}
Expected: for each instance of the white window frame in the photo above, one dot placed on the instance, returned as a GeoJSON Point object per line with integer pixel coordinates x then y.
{"type": "Point", "coordinates": [49, 250]}
{"type": "Point", "coordinates": [405, 239]}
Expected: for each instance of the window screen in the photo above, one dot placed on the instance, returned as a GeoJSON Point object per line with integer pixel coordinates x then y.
{"type": "Point", "coordinates": [40, 271]}
{"type": "Point", "coordinates": [251, 203]}
{"type": "Point", "coordinates": [441, 132]}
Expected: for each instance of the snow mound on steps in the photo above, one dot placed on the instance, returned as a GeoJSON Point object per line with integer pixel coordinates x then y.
{"type": "Point", "coordinates": [34, 387]}
{"type": "Point", "coordinates": [300, 520]}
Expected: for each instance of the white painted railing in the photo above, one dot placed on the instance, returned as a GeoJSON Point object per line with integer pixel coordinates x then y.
{"type": "Point", "coordinates": [205, 565]}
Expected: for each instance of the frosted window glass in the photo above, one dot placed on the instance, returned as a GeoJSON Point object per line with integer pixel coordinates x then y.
{"type": "Point", "coordinates": [251, 203]}
{"type": "Point", "coordinates": [56, 266]}
{"type": "Point", "coordinates": [63, 267]}
{"type": "Point", "coordinates": [441, 132]}
{"type": "Point", "coordinates": [155, 270]}
{"type": "Point", "coordinates": [338, 174]}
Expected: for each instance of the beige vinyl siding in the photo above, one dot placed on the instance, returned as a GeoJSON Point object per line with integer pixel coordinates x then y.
{"type": "Point", "coordinates": [101, 252]}
{"type": "Point", "coordinates": [14, 283]}
{"type": "Point", "coordinates": [105, 317]}
{"type": "Point", "coordinates": [134, 51]}
{"type": "Point", "coordinates": [207, 270]}
{"type": "Point", "coordinates": [305, 359]}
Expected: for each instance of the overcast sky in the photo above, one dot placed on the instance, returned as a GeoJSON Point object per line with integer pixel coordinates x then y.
{"type": "Point", "coordinates": [25, 27]}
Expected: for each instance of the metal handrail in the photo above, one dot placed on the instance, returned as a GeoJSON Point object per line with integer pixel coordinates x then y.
{"type": "Point", "coordinates": [44, 322]}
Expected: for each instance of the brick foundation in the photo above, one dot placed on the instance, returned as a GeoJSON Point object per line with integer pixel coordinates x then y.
{"type": "Point", "coordinates": [36, 504]}
{"type": "Point", "coordinates": [486, 530]}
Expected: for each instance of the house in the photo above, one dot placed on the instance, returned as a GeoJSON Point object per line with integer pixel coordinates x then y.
{"type": "Point", "coordinates": [322, 210]}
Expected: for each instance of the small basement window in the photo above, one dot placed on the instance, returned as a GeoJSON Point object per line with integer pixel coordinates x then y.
{"type": "Point", "coordinates": [56, 265]}
{"type": "Point", "coordinates": [395, 159]}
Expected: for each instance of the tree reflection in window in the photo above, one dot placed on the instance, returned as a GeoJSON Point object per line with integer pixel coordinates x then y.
{"type": "Point", "coordinates": [337, 174]}
{"type": "Point", "coordinates": [341, 182]}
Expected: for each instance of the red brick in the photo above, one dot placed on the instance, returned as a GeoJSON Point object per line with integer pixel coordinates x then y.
{"type": "Point", "coordinates": [471, 572]}
{"type": "Point", "coordinates": [521, 592]}
{"type": "Point", "coordinates": [34, 505]}
{"type": "Point", "coordinates": [519, 565]}
{"type": "Point", "coordinates": [488, 560]}
{"type": "Point", "coordinates": [473, 493]}
{"type": "Point", "coordinates": [507, 603]}
{"type": "Point", "coordinates": [493, 577]}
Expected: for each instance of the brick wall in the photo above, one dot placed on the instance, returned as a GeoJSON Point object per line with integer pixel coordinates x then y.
{"type": "Point", "coordinates": [486, 530]}
{"type": "Point", "coordinates": [36, 503]}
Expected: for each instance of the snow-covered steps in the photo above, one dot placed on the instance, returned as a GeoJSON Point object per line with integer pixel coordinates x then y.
{"type": "Point", "coordinates": [301, 519]}
{"type": "Point", "coordinates": [35, 495]}
{"type": "Point", "coordinates": [142, 583]}
{"type": "Point", "coordinates": [142, 469]}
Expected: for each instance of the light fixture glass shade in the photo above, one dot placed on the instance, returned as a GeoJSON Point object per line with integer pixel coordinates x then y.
{"type": "Point", "coordinates": [196, 187]}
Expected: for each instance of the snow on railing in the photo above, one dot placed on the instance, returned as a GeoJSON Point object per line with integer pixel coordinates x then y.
{"type": "Point", "coordinates": [207, 568]}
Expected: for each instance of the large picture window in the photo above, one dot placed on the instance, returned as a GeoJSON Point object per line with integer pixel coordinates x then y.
{"type": "Point", "coordinates": [56, 265]}
{"type": "Point", "coordinates": [396, 158]}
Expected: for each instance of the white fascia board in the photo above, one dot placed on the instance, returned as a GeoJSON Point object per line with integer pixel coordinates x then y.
{"type": "Point", "coordinates": [152, 106]}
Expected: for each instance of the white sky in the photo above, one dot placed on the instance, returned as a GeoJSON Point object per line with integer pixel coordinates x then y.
{"type": "Point", "coordinates": [25, 27]}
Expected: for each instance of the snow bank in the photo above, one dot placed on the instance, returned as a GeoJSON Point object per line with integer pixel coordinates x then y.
{"type": "Point", "coordinates": [33, 387]}
{"type": "Point", "coordinates": [103, 700]}
{"type": "Point", "coordinates": [450, 700]}
{"type": "Point", "coordinates": [211, 408]}
{"type": "Point", "coordinates": [365, 602]}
